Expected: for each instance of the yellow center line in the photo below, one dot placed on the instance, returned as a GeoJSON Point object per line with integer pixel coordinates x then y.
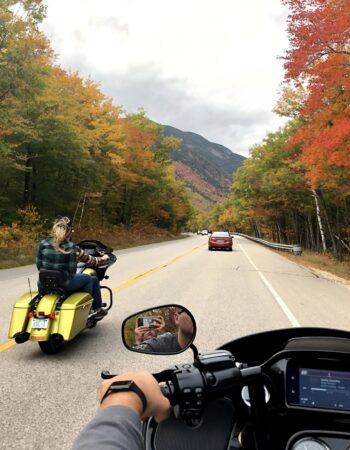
{"type": "Point", "coordinates": [147, 272]}
{"type": "Point", "coordinates": [127, 282]}
{"type": "Point", "coordinates": [8, 344]}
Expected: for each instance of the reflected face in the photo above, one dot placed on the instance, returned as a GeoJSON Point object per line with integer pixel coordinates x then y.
{"type": "Point", "coordinates": [184, 322]}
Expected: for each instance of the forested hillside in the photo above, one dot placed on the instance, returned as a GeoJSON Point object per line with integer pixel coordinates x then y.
{"type": "Point", "coordinates": [204, 166]}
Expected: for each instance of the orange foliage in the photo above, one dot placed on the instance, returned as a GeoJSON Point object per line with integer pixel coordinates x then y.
{"type": "Point", "coordinates": [320, 55]}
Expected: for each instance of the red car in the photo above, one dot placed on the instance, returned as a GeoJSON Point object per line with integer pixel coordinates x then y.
{"type": "Point", "coordinates": [220, 239]}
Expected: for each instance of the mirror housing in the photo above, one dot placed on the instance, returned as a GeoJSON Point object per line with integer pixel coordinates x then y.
{"type": "Point", "coordinates": [161, 330]}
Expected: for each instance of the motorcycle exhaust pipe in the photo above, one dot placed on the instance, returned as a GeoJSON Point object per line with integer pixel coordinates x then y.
{"type": "Point", "coordinates": [21, 337]}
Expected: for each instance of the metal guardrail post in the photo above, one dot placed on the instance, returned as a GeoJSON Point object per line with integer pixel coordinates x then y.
{"type": "Point", "coordinates": [297, 250]}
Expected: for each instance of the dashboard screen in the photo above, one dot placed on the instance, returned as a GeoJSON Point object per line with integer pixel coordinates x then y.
{"type": "Point", "coordinates": [315, 388]}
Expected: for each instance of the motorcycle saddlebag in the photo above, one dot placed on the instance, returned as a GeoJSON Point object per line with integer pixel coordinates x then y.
{"type": "Point", "coordinates": [20, 312]}
{"type": "Point", "coordinates": [73, 314]}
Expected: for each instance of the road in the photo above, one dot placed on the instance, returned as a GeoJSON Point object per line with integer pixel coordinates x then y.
{"type": "Point", "coordinates": [46, 400]}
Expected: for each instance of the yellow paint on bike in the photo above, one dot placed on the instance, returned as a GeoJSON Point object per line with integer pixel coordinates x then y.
{"type": "Point", "coordinates": [20, 311]}
{"type": "Point", "coordinates": [128, 282]}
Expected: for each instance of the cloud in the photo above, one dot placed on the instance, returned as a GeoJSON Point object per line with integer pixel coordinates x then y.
{"type": "Point", "coordinates": [109, 22]}
{"type": "Point", "coordinates": [171, 101]}
{"type": "Point", "coordinates": [213, 71]}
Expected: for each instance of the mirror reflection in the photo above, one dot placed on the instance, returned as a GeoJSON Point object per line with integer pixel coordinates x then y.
{"type": "Point", "coordinates": [164, 330]}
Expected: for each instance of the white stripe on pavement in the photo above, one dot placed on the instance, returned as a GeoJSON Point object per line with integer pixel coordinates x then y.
{"type": "Point", "coordinates": [290, 316]}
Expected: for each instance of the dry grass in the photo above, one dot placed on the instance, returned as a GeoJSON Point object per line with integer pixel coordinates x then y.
{"type": "Point", "coordinates": [117, 238]}
{"type": "Point", "coordinates": [323, 262]}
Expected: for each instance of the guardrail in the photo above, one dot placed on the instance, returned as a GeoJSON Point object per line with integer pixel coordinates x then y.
{"type": "Point", "coordinates": [296, 249]}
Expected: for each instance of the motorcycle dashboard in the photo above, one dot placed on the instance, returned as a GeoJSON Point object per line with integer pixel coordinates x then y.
{"type": "Point", "coordinates": [322, 385]}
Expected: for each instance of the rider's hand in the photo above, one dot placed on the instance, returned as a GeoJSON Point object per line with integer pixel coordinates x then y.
{"type": "Point", "coordinates": [160, 324]}
{"type": "Point", "coordinates": [104, 258]}
{"type": "Point", "coordinates": [139, 332]}
{"type": "Point", "coordinates": [157, 405]}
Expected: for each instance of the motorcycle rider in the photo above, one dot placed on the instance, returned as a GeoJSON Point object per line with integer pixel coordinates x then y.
{"type": "Point", "coordinates": [58, 252]}
{"type": "Point", "coordinates": [142, 333]}
{"type": "Point", "coordinates": [117, 425]}
{"type": "Point", "coordinates": [170, 342]}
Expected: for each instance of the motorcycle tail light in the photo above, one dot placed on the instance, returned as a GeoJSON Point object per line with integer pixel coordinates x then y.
{"type": "Point", "coordinates": [52, 315]}
{"type": "Point", "coordinates": [41, 313]}
{"type": "Point", "coordinates": [30, 315]}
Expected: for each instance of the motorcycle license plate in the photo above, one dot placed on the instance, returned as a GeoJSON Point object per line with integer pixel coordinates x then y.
{"type": "Point", "coordinates": [40, 323]}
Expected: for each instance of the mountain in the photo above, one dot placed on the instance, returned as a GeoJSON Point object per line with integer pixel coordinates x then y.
{"type": "Point", "coordinates": [205, 167]}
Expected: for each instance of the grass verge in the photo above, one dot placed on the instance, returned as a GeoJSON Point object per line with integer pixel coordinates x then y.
{"type": "Point", "coordinates": [322, 262]}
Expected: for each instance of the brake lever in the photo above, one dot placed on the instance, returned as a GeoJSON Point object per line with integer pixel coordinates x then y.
{"type": "Point", "coordinates": [106, 375]}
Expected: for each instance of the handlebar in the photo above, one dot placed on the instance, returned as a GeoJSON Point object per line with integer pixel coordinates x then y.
{"type": "Point", "coordinates": [212, 375]}
{"type": "Point", "coordinates": [189, 386]}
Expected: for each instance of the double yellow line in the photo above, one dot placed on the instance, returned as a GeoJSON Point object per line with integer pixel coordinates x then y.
{"type": "Point", "coordinates": [127, 283]}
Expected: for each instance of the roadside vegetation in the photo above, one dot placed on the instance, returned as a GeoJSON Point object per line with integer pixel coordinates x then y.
{"type": "Point", "coordinates": [66, 149]}
{"type": "Point", "coordinates": [295, 187]}
{"type": "Point", "coordinates": [323, 262]}
{"type": "Point", "coordinates": [18, 242]}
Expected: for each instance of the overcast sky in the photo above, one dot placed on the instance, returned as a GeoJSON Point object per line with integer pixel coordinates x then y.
{"type": "Point", "coordinates": [198, 65]}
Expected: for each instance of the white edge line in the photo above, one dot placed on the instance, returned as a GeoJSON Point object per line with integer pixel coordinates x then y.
{"type": "Point", "coordinates": [290, 316]}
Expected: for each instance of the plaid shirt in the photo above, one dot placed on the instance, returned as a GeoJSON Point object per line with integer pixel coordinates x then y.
{"type": "Point", "coordinates": [47, 257]}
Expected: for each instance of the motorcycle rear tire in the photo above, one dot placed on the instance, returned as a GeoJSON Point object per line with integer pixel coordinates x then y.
{"type": "Point", "coordinates": [50, 347]}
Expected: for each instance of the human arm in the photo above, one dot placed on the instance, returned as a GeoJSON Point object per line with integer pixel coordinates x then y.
{"type": "Point", "coordinates": [117, 425]}
{"type": "Point", "coordinates": [117, 428]}
{"type": "Point", "coordinates": [90, 260]}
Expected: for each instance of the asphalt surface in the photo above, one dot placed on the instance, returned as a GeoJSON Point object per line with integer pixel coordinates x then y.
{"type": "Point", "coordinates": [46, 400]}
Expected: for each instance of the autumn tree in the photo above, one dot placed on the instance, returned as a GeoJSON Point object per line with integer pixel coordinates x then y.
{"type": "Point", "coordinates": [65, 148]}
{"type": "Point", "coordinates": [24, 53]}
{"type": "Point", "coordinates": [318, 58]}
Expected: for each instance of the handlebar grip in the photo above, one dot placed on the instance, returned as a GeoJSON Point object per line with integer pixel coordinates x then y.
{"type": "Point", "coordinates": [168, 390]}
{"type": "Point", "coordinates": [164, 389]}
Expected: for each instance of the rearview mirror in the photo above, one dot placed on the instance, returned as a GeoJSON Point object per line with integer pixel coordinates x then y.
{"type": "Point", "coordinates": [162, 330]}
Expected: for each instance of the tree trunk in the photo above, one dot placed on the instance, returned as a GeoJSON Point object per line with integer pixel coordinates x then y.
{"type": "Point", "coordinates": [279, 232]}
{"type": "Point", "coordinates": [311, 231]}
{"type": "Point", "coordinates": [314, 193]}
{"type": "Point", "coordinates": [258, 229]}
{"type": "Point", "coordinates": [295, 220]}
{"type": "Point", "coordinates": [331, 234]}
{"type": "Point", "coordinates": [27, 179]}
{"type": "Point", "coordinates": [339, 242]}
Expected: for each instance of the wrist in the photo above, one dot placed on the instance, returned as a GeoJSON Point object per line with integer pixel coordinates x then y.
{"type": "Point", "coordinates": [129, 399]}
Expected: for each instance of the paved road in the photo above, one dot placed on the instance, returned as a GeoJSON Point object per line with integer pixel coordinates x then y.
{"type": "Point", "coordinates": [45, 400]}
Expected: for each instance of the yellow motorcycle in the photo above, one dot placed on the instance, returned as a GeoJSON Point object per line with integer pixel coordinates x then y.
{"type": "Point", "coordinates": [53, 315]}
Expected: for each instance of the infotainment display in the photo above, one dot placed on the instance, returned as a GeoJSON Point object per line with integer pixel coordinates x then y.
{"type": "Point", "coordinates": [318, 388]}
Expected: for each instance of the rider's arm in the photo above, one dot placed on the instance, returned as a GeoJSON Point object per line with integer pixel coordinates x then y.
{"type": "Point", "coordinates": [92, 261]}
{"type": "Point", "coordinates": [116, 427]}
{"type": "Point", "coordinates": [118, 423]}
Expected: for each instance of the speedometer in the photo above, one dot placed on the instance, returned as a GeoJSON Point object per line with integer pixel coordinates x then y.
{"type": "Point", "coordinates": [310, 444]}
